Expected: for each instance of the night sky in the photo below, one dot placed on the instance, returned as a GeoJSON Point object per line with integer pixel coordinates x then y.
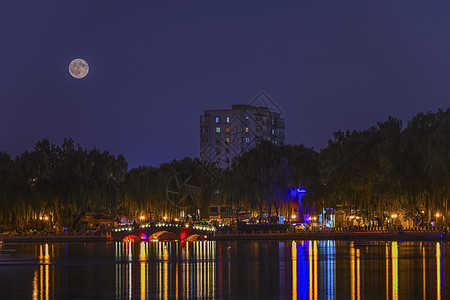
{"type": "Point", "coordinates": [156, 65]}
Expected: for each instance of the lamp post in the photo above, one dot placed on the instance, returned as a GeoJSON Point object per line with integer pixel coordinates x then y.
{"type": "Point", "coordinates": [393, 216]}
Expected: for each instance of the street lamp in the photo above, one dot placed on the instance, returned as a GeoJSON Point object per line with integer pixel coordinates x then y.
{"type": "Point", "coordinates": [437, 217]}
{"type": "Point", "coordinates": [393, 216]}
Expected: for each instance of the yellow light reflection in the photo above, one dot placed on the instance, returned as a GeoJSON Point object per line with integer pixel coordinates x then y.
{"type": "Point", "coordinates": [142, 252]}
{"type": "Point", "coordinates": [438, 270]}
{"type": "Point", "coordinates": [47, 278]}
{"type": "Point", "coordinates": [394, 270]}
{"type": "Point", "coordinates": [41, 280]}
{"type": "Point", "coordinates": [310, 252]}
{"type": "Point", "coordinates": [387, 271]}
{"type": "Point", "coordinates": [194, 278]}
{"type": "Point", "coordinates": [423, 273]}
{"type": "Point", "coordinates": [46, 256]}
{"type": "Point", "coordinates": [130, 280]}
{"type": "Point", "coordinates": [352, 270]}
{"type": "Point", "coordinates": [143, 265]}
{"type": "Point", "coordinates": [130, 251]}
{"type": "Point", "coordinates": [316, 290]}
{"type": "Point", "coordinates": [118, 270]}
{"type": "Point", "coordinates": [176, 282]}
{"type": "Point", "coordinates": [35, 286]}
{"type": "Point", "coordinates": [166, 273]}
{"type": "Point", "coordinates": [358, 274]}
{"type": "Point", "coordinates": [294, 270]}
{"type": "Point", "coordinates": [187, 281]}
{"type": "Point", "coordinates": [199, 270]}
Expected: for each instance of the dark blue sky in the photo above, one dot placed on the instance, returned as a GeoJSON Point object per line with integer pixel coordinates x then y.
{"type": "Point", "coordinates": [156, 65]}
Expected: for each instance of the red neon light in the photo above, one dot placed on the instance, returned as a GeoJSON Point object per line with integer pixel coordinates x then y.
{"type": "Point", "coordinates": [183, 234]}
{"type": "Point", "coordinates": [129, 238]}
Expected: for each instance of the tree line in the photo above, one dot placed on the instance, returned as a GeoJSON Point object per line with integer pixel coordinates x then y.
{"type": "Point", "coordinates": [389, 167]}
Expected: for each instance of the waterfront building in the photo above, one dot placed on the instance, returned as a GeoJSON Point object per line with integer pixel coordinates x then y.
{"type": "Point", "coordinates": [227, 133]}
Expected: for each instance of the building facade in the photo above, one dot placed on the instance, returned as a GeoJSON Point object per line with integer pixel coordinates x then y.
{"type": "Point", "coordinates": [227, 133]}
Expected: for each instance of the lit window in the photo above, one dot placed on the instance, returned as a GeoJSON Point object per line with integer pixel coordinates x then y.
{"type": "Point", "coordinates": [217, 119]}
{"type": "Point", "coordinates": [218, 129]}
{"type": "Point", "coordinates": [273, 131]}
{"type": "Point", "coordinates": [246, 129]}
{"type": "Point", "coordinates": [227, 129]}
{"type": "Point", "coordinates": [228, 120]}
{"type": "Point", "coordinates": [246, 119]}
{"type": "Point", "coordinates": [227, 140]}
{"type": "Point", "coordinates": [247, 140]}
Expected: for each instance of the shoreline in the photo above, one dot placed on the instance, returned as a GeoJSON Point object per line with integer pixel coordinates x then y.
{"type": "Point", "coordinates": [355, 236]}
{"type": "Point", "coordinates": [428, 235]}
{"type": "Point", "coordinates": [56, 238]}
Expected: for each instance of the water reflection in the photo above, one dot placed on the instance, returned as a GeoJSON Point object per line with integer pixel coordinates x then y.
{"type": "Point", "coordinates": [237, 269]}
{"type": "Point", "coordinates": [424, 281]}
{"type": "Point", "coordinates": [394, 271]}
{"type": "Point", "coordinates": [43, 276]}
{"type": "Point", "coordinates": [308, 270]}
{"type": "Point", "coordinates": [143, 266]}
{"type": "Point", "coordinates": [166, 269]}
{"type": "Point", "coordinates": [438, 270]}
{"type": "Point", "coordinates": [387, 270]}
{"type": "Point", "coordinates": [294, 270]}
{"type": "Point", "coordinates": [352, 271]}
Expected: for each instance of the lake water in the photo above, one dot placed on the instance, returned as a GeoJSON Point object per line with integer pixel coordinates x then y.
{"type": "Point", "coordinates": [226, 270]}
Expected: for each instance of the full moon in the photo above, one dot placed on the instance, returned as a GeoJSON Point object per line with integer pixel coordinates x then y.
{"type": "Point", "coordinates": [78, 68]}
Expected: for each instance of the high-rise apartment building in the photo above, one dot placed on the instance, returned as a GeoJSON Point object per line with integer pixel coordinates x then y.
{"type": "Point", "coordinates": [226, 133]}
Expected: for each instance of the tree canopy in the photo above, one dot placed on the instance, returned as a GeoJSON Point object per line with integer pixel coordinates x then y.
{"type": "Point", "coordinates": [387, 167]}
